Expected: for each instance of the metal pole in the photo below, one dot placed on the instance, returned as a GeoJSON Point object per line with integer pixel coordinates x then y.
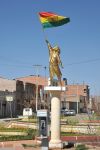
{"type": "Point", "coordinates": [10, 110]}
{"type": "Point", "coordinates": [77, 98]}
{"type": "Point", "coordinates": [45, 144]}
{"type": "Point", "coordinates": [1, 109]}
{"type": "Point", "coordinates": [45, 74]}
{"type": "Point", "coordinates": [9, 99]}
{"type": "Point", "coordinates": [45, 93]}
{"type": "Point", "coordinates": [36, 96]}
{"type": "Point", "coordinates": [37, 67]}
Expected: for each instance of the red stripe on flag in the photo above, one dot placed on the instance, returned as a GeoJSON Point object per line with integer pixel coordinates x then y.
{"type": "Point", "coordinates": [46, 14]}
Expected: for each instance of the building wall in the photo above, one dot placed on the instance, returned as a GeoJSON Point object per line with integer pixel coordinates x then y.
{"type": "Point", "coordinates": [7, 87]}
{"type": "Point", "coordinates": [19, 97]}
{"type": "Point", "coordinates": [39, 82]}
{"type": "Point", "coordinates": [6, 84]}
{"type": "Point", "coordinates": [24, 95]}
{"type": "Point", "coordinates": [77, 96]}
{"type": "Point", "coordinates": [77, 89]}
{"type": "Point", "coordinates": [24, 89]}
{"type": "Point", "coordinates": [20, 91]}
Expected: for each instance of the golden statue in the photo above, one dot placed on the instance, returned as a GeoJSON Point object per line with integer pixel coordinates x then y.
{"type": "Point", "coordinates": [54, 62]}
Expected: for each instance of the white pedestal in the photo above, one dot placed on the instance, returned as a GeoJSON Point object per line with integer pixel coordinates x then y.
{"type": "Point", "coordinates": [55, 141]}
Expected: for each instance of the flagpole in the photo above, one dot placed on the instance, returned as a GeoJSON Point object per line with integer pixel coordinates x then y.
{"type": "Point", "coordinates": [45, 37]}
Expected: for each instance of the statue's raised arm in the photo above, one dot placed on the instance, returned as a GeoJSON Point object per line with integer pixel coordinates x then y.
{"type": "Point", "coordinates": [49, 46]}
{"type": "Point", "coordinates": [54, 62]}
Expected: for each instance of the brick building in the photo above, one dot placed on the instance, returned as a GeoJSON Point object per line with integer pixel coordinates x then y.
{"type": "Point", "coordinates": [76, 95]}
{"type": "Point", "coordinates": [39, 83]}
{"type": "Point", "coordinates": [26, 91]}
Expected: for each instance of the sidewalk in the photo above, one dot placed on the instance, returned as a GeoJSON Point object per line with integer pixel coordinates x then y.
{"type": "Point", "coordinates": [17, 145]}
{"type": "Point", "coordinates": [32, 145]}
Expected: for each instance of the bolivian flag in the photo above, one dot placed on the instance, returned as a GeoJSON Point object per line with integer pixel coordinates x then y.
{"type": "Point", "coordinates": [49, 19]}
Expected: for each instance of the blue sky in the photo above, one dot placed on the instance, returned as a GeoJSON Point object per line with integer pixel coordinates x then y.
{"type": "Point", "coordinates": [22, 43]}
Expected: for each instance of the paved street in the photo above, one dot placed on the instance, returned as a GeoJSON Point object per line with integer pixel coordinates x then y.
{"type": "Point", "coordinates": [7, 148]}
{"type": "Point", "coordinates": [18, 145]}
{"type": "Point", "coordinates": [34, 144]}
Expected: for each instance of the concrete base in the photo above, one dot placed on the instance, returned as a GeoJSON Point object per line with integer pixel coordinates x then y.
{"type": "Point", "coordinates": [56, 144]}
{"type": "Point", "coordinates": [54, 88]}
{"type": "Point", "coordinates": [55, 92]}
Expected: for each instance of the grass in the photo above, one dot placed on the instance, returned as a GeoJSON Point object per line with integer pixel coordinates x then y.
{"type": "Point", "coordinates": [30, 145]}
{"type": "Point", "coordinates": [3, 129]}
{"type": "Point", "coordinates": [70, 120]}
{"type": "Point", "coordinates": [81, 147]}
{"type": "Point", "coordinates": [74, 134]}
{"type": "Point", "coordinates": [30, 134]}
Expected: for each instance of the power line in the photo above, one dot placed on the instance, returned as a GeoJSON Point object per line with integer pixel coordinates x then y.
{"type": "Point", "coordinates": [83, 62]}
{"type": "Point", "coordinates": [27, 65]}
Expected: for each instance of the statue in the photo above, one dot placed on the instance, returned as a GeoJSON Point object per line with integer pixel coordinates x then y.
{"type": "Point", "coordinates": [54, 62]}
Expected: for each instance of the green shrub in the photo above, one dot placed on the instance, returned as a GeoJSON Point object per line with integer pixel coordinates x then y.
{"type": "Point", "coordinates": [81, 147]}
{"type": "Point", "coordinates": [72, 121]}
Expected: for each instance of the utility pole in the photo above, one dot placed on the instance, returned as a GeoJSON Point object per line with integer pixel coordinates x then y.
{"type": "Point", "coordinates": [45, 74]}
{"type": "Point", "coordinates": [77, 99]}
{"type": "Point", "coordinates": [37, 67]}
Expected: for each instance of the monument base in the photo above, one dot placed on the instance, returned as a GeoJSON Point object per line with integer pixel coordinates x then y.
{"type": "Point", "coordinates": [55, 88]}
{"type": "Point", "coordinates": [55, 91]}
{"type": "Point", "coordinates": [56, 144]}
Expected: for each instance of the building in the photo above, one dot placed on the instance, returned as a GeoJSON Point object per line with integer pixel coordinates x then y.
{"type": "Point", "coordinates": [95, 104]}
{"type": "Point", "coordinates": [39, 96]}
{"type": "Point", "coordinates": [7, 89]}
{"type": "Point", "coordinates": [76, 97]}
{"type": "Point", "coordinates": [29, 92]}
{"type": "Point", "coordinates": [14, 96]}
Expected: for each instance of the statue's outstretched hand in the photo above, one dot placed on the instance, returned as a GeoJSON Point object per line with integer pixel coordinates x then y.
{"type": "Point", "coordinates": [47, 41]}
